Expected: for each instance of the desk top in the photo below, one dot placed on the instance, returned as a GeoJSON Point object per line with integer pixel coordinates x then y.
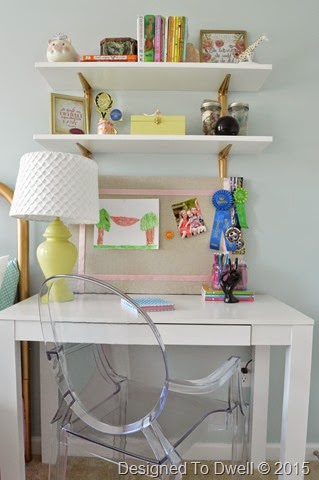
{"type": "Point", "coordinates": [189, 309]}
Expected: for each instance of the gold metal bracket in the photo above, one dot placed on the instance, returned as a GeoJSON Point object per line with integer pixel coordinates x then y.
{"type": "Point", "coordinates": [222, 161]}
{"type": "Point", "coordinates": [222, 94]}
{"type": "Point", "coordinates": [84, 151]}
{"type": "Point", "coordinates": [222, 97]}
{"type": "Point", "coordinates": [87, 90]}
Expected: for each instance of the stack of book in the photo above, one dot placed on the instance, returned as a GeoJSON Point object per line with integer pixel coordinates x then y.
{"type": "Point", "coordinates": [211, 295]}
{"type": "Point", "coordinates": [109, 58]}
{"type": "Point", "coordinates": [150, 304]}
{"type": "Point", "coordinates": [162, 39]}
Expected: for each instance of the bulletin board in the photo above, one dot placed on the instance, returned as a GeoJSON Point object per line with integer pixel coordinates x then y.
{"type": "Point", "coordinates": [179, 265]}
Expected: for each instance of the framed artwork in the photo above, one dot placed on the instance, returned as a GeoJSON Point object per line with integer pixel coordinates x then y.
{"type": "Point", "coordinates": [68, 114]}
{"type": "Point", "coordinates": [222, 46]}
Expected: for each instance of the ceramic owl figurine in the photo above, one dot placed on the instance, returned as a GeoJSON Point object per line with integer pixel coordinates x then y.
{"type": "Point", "coordinates": [60, 49]}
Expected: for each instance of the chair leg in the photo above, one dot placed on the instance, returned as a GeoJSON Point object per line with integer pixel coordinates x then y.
{"type": "Point", "coordinates": [240, 437]}
{"type": "Point", "coordinates": [161, 446]}
{"type": "Point", "coordinates": [59, 471]}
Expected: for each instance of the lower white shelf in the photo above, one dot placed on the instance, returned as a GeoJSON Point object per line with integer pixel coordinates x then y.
{"type": "Point", "coordinates": [192, 144]}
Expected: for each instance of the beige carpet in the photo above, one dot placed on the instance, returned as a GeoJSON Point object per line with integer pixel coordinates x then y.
{"type": "Point", "coordinates": [93, 469]}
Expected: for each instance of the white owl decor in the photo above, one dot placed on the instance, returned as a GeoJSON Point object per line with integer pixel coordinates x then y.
{"type": "Point", "coordinates": [60, 49]}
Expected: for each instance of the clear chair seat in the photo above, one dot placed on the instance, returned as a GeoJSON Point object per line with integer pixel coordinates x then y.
{"type": "Point", "coordinates": [181, 416]}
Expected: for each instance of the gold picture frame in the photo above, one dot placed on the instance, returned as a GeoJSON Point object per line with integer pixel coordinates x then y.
{"type": "Point", "coordinates": [69, 114]}
{"type": "Point", "coordinates": [222, 46]}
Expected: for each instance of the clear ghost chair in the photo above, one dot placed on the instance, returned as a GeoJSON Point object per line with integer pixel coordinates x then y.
{"type": "Point", "coordinates": [119, 401]}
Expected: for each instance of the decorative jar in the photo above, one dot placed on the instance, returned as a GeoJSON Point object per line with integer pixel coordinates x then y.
{"type": "Point", "coordinates": [211, 110]}
{"type": "Point", "coordinates": [239, 111]}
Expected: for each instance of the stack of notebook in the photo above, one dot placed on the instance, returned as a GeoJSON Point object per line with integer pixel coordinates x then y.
{"type": "Point", "coordinates": [211, 295]}
{"type": "Point", "coordinates": [151, 304]}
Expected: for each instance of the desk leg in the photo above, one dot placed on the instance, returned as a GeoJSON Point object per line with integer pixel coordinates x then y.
{"type": "Point", "coordinates": [259, 403]}
{"type": "Point", "coordinates": [49, 406]}
{"type": "Point", "coordinates": [12, 464]}
{"type": "Point", "coordinates": [296, 401]}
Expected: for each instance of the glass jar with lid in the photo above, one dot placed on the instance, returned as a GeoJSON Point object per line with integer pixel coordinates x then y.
{"type": "Point", "coordinates": [240, 111]}
{"type": "Point", "coordinates": [211, 110]}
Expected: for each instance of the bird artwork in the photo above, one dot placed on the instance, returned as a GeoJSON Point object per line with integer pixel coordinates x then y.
{"type": "Point", "coordinates": [247, 55]}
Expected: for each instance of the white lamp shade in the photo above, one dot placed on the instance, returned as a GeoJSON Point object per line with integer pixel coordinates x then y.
{"type": "Point", "coordinates": [56, 184]}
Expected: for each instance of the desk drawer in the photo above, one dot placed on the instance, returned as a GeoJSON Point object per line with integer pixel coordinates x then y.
{"type": "Point", "coordinates": [205, 334]}
{"type": "Point", "coordinates": [177, 334]}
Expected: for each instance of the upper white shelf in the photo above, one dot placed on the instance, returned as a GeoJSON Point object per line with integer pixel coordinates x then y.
{"type": "Point", "coordinates": [245, 77]}
{"type": "Point", "coordinates": [194, 144]}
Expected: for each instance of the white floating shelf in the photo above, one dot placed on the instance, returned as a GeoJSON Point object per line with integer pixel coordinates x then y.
{"type": "Point", "coordinates": [245, 77]}
{"type": "Point", "coordinates": [193, 144]}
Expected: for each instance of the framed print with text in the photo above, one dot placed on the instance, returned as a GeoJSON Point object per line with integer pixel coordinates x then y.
{"type": "Point", "coordinates": [68, 114]}
{"type": "Point", "coordinates": [222, 46]}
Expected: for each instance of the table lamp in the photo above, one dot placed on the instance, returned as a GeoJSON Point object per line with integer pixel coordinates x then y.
{"type": "Point", "coordinates": [61, 187]}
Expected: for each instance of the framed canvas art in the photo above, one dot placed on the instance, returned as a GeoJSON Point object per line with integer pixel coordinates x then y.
{"type": "Point", "coordinates": [221, 46]}
{"type": "Point", "coordinates": [68, 114]}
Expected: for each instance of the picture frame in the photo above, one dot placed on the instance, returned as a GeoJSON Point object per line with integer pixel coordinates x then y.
{"type": "Point", "coordinates": [69, 114]}
{"type": "Point", "coordinates": [222, 46]}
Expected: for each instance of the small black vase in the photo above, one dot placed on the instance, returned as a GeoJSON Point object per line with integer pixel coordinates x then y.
{"type": "Point", "coordinates": [226, 126]}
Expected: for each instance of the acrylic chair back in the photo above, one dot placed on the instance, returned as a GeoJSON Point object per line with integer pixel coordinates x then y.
{"type": "Point", "coordinates": [98, 343]}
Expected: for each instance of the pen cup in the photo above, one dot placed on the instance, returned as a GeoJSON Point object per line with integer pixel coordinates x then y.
{"type": "Point", "coordinates": [215, 277]}
{"type": "Point", "coordinates": [217, 271]}
{"type": "Point", "coordinates": [242, 285]}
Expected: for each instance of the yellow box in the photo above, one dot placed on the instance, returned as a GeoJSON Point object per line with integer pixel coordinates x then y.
{"type": "Point", "coordinates": [157, 125]}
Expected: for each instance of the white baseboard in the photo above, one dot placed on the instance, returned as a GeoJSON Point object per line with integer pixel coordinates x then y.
{"type": "Point", "coordinates": [218, 451]}
{"type": "Point", "coordinates": [36, 445]}
{"type": "Point", "coordinates": [222, 451]}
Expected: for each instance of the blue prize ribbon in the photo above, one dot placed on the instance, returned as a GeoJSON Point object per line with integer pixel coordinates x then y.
{"type": "Point", "coordinates": [222, 201]}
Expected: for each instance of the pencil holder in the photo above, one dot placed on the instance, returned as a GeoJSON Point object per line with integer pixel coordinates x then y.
{"type": "Point", "coordinates": [216, 273]}
{"type": "Point", "coordinates": [242, 285]}
{"type": "Point", "coordinates": [215, 277]}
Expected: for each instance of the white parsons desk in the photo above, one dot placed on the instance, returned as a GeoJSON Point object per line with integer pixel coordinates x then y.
{"type": "Point", "coordinates": [261, 323]}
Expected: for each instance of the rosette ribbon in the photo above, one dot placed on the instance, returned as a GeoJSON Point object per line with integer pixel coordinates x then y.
{"type": "Point", "coordinates": [222, 201]}
{"type": "Point", "coordinates": [240, 196]}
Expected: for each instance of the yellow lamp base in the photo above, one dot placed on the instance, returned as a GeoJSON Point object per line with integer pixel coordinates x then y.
{"type": "Point", "coordinates": [57, 255]}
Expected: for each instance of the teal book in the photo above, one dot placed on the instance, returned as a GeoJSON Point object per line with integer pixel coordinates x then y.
{"type": "Point", "coordinates": [150, 304]}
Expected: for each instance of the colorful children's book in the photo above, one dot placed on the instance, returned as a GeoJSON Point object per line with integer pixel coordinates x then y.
{"type": "Point", "coordinates": [176, 38]}
{"type": "Point", "coordinates": [208, 290]}
{"type": "Point", "coordinates": [149, 34]}
{"type": "Point", "coordinates": [165, 40]}
{"type": "Point", "coordinates": [150, 304]}
{"type": "Point", "coordinates": [183, 39]}
{"type": "Point", "coordinates": [109, 58]}
{"type": "Point", "coordinates": [170, 38]}
{"type": "Point", "coordinates": [158, 38]}
{"type": "Point", "coordinates": [222, 297]}
{"type": "Point", "coordinates": [210, 294]}
{"type": "Point", "coordinates": [140, 38]}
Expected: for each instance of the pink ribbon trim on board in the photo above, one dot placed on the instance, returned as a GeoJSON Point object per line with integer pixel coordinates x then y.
{"type": "Point", "coordinates": [155, 192]}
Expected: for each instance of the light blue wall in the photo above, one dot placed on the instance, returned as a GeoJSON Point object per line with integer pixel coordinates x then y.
{"type": "Point", "coordinates": [282, 182]}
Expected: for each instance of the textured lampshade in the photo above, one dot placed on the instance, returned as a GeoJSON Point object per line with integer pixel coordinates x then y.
{"type": "Point", "coordinates": [61, 187]}
{"type": "Point", "coordinates": [56, 184]}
